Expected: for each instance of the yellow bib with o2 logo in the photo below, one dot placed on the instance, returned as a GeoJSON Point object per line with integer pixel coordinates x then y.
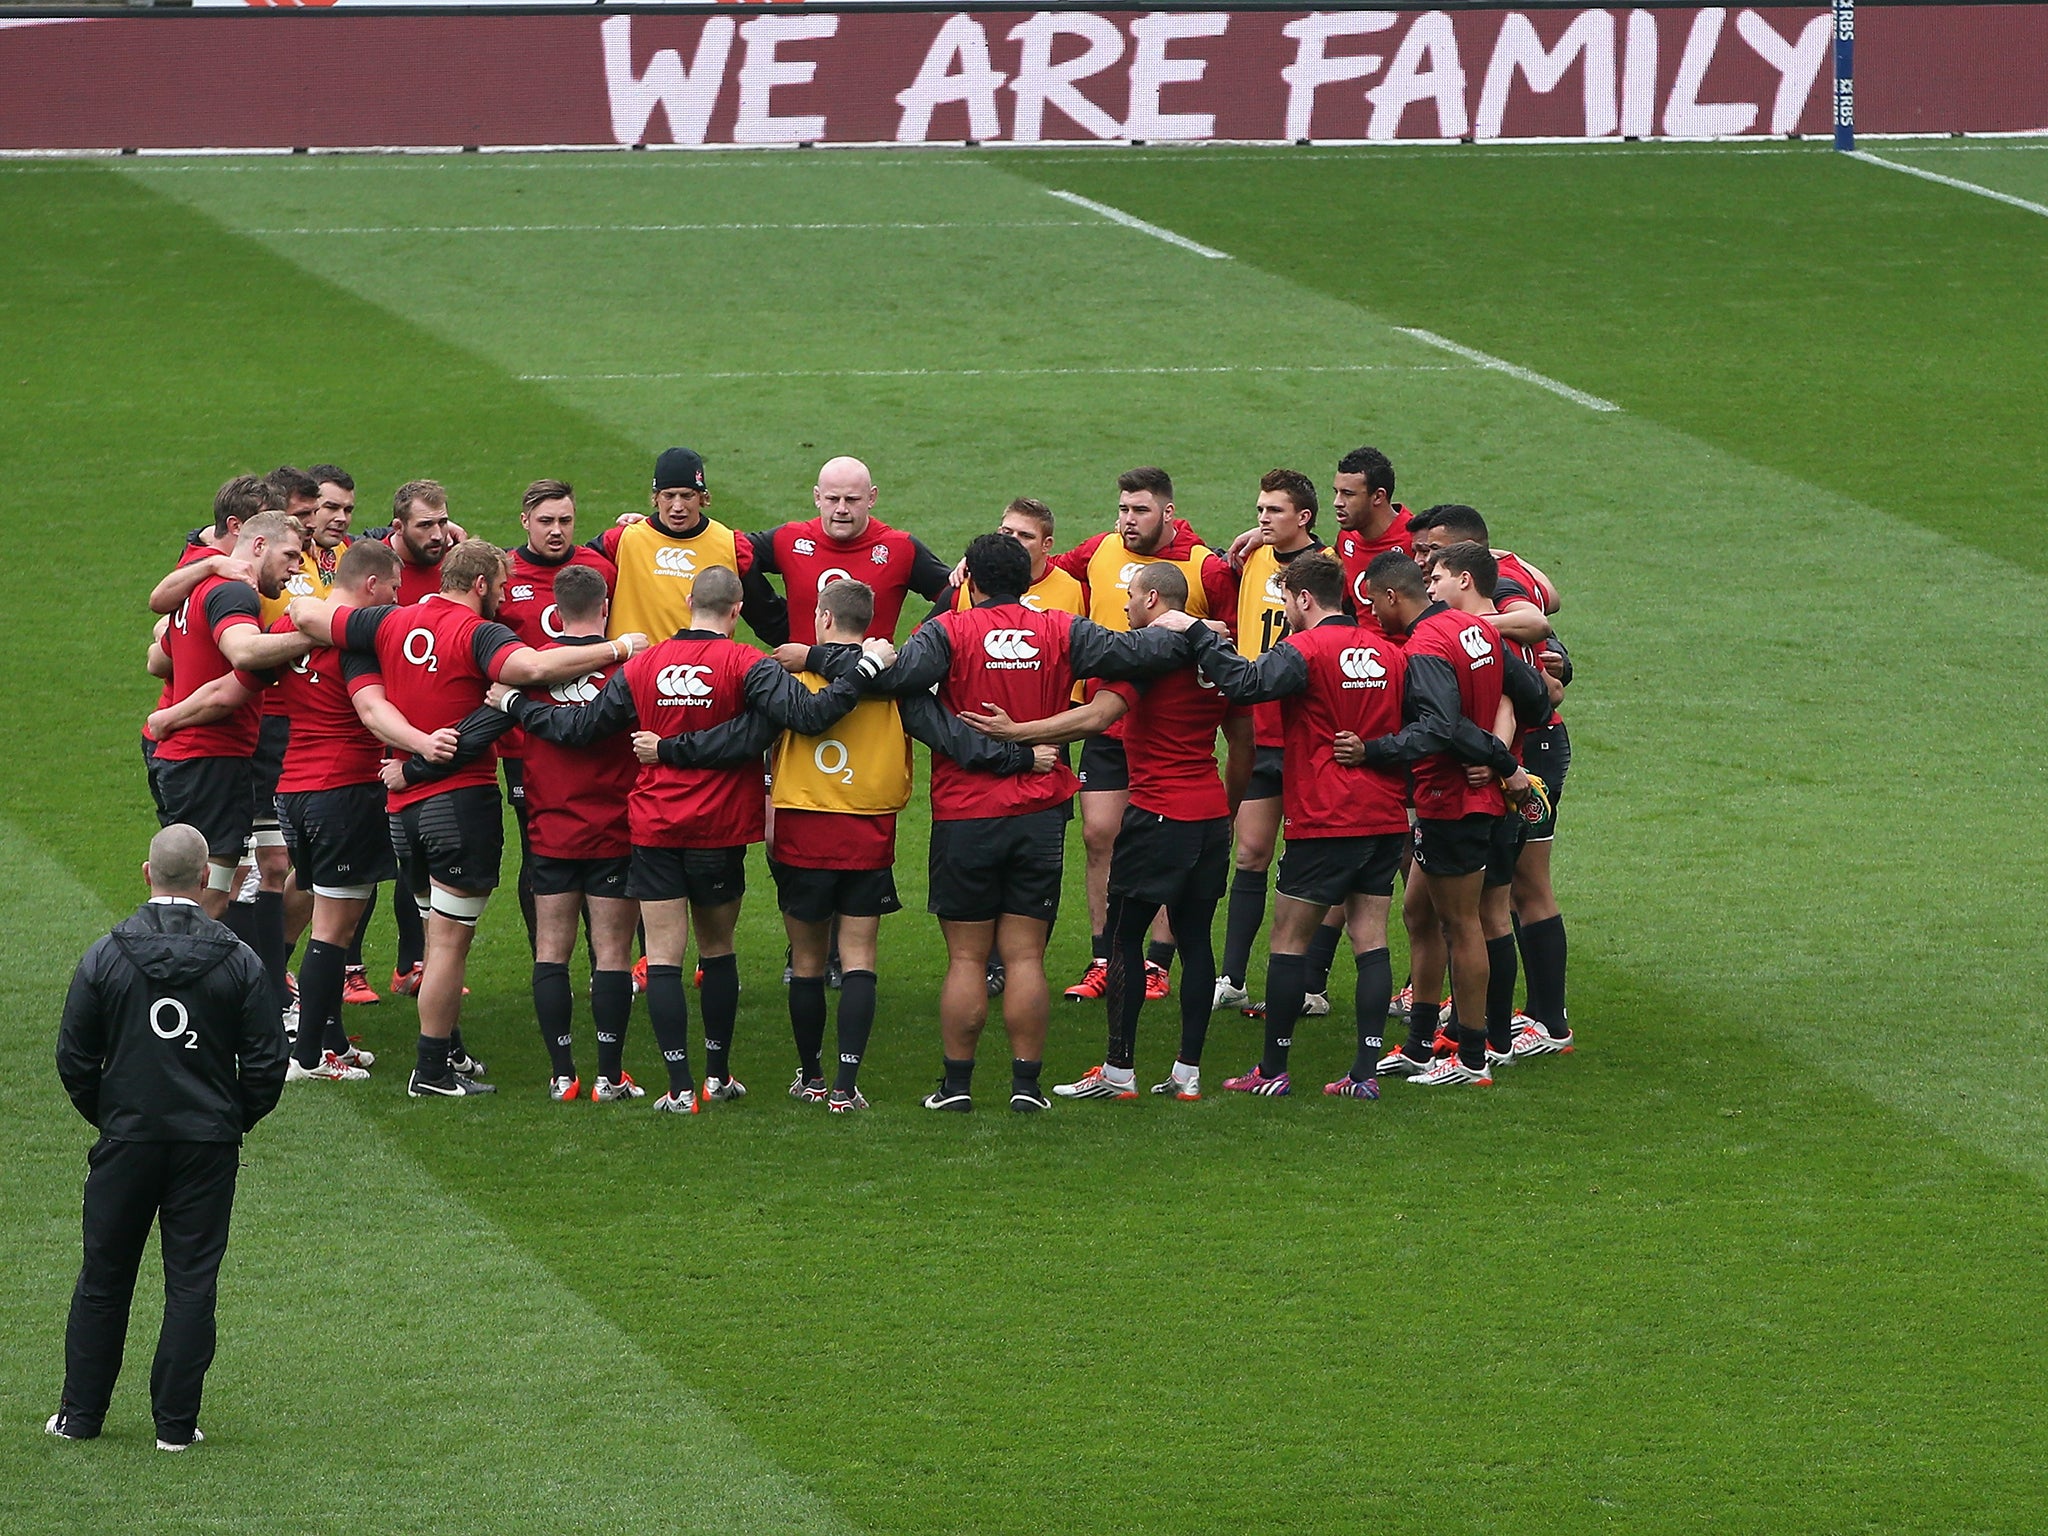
{"type": "Point", "coordinates": [1110, 570]}
{"type": "Point", "coordinates": [657, 572]}
{"type": "Point", "coordinates": [861, 767]}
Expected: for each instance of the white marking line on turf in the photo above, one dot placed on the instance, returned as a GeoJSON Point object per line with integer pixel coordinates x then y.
{"type": "Point", "coordinates": [1131, 221]}
{"type": "Point", "coordinates": [654, 229]}
{"type": "Point", "coordinates": [1512, 370]}
{"type": "Point", "coordinates": [1948, 181]}
{"type": "Point", "coordinates": [993, 373]}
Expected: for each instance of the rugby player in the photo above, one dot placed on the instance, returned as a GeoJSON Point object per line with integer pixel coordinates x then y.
{"type": "Point", "coordinates": [998, 843]}
{"type": "Point", "coordinates": [660, 556]}
{"type": "Point", "coordinates": [833, 844]}
{"type": "Point", "coordinates": [1146, 530]}
{"type": "Point", "coordinates": [1460, 691]}
{"type": "Point", "coordinates": [438, 658]}
{"type": "Point", "coordinates": [1174, 849]}
{"type": "Point", "coordinates": [1346, 826]}
{"type": "Point", "coordinates": [421, 536]}
{"type": "Point", "coordinates": [846, 541]}
{"type": "Point", "coordinates": [690, 827]}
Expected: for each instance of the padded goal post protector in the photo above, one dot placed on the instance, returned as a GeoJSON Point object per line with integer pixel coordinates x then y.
{"type": "Point", "coordinates": [713, 76]}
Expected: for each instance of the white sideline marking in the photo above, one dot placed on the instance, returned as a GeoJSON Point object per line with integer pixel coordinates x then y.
{"type": "Point", "coordinates": [1948, 181]}
{"type": "Point", "coordinates": [1512, 370]}
{"type": "Point", "coordinates": [992, 373]}
{"type": "Point", "coordinates": [1130, 221]}
{"type": "Point", "coordinates": [650, 229]}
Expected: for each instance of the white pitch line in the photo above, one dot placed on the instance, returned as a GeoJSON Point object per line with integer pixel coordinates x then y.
{"type": "Point", "coordinates": [1948, 181]}
{"type": "Point", "coordinates": [654, 229]}
{"type": "Point", "coordinates": [1006, 373]}
{"type": "Point", "coordinates": [1512, 370]}
{"type": "Point", "coordinates": [1130, 221]}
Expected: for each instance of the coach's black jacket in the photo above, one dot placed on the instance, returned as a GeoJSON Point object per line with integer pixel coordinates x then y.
{"type": "Point", "coordinates": [171, 1032]}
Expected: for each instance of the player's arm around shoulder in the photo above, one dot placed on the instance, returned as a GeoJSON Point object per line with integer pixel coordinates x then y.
{"type": "Point", "coordinates": [1281, 673]}
{"type": "Point", "coordinates": [1094, 651]}
{"type": "Point", "coordinates": [572, 725]}
{"type": "Point", "coordinates": [920, 664]}
{"type": "Point", "coordinates": [772, 692]}
{"type": "Point", "coordinates": [925, 719]}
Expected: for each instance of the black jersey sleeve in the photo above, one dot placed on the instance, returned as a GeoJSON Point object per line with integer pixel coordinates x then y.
{"type": "Point", "coordinates": [362, 627]}
{"type": "Point", "coordinates": [1099, 652]}
{"type": "Point", "coordinates": [578, 725]}
{"type": "Point", "coordinates": [231, 599]}
{"type": "Point", "coordinates": [929, 575]}
{"type": "Point", "coordinates": [929, 721]}
{"type": "Point", "coordinates": [487, 643]}
{"type": "Point", "coordinates": [1281, 673]}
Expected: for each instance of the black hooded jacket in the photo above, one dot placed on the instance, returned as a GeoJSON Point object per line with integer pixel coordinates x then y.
{"type": "Point", "coordinates": [170, 1031]}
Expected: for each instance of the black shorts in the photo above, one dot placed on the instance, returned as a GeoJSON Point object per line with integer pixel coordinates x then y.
{"type": "Point", "coordinates": [515, 787]}
{"type": "Point", "coordinates": [149, 769]}
{"type": "Point", "coordinates": [710, 877]}
{"type": "Point", "coordinates": [1166, 863]}
{"type": "Point", "coordinates": [1103, 765]}
{"type": "Point", "coordinates": [268, 765]}
{"type": "Point", "coordinates": [814, 895]}
{"type": "Point", "coordinates": [338, 837]}
{"type": "Point", "coordinates": [215, 794]}
{"type": "Point", "coordinates": [1469, 845]}
{"type": "Point", "coordinates": [1265, 784]}
{"type": "Point", "coordinates": [991, 865]}
{"type": "Point", "coordinates": [1547, 755]}
{"type": "Point", "coordinates": [455, 838]}
{"type": "Point", "coordinates": [1326, 870]}
{"type": "Point", "coordinates": [604, 878]}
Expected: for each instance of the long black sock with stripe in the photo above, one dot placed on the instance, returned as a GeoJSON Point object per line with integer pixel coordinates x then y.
{"type": "Point", "coordinates": [611, 1010]}
{"type": "Point", "coordinates": [554, 1006]}
{"type": "Point", "coordinates": [807, 1023]}
{"type": "Point", "coordinates": [856, 1023]}
{"type": "Point", "coordinates": [721, 1012]}
{"type": "Point", "coordinates": [1500, 993]}
{"type": "Point", "coordinates": [1375, 990]}
{"type": "Point", "coordinates": [668, 1010]}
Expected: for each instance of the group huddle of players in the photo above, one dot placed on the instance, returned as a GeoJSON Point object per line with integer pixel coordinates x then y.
{"type": "Point", "coordinates": [335, 709]}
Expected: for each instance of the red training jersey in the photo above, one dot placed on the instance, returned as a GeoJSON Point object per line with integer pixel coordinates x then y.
{"type": "Point", "coordinates": [887, 559]}
{"type": "Point", "coordinates": [576, 797]}
{"type": "Point", "coordinates": [415, 582]}
{"type": "Point", "coordinates": [834, 839]}
{"type": "Point", "coordinates": [1353, 685]}
{"type": "Point", "coordinates": [688, 683]}
{"type": "Point", "coordinates": [438, 658]}
{"type": "Point", "coordinates": [528, 610]}
{"type": "Point", "coordinates": [1170, 744]}
{"type": "Point", "coordinates": [192, 641]}
{"type": "Point", "coordinates": [1473, 649]}
{"type": "Point", "coordinates": [1017, 659]}
{"type": "Point", "coordinates": [329, 747]}
{"type": "Point", "coordinates": [1357, 553]}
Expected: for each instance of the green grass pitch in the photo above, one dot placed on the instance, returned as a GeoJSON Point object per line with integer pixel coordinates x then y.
{"type": "Point", "coordinates": [1765, 1255]}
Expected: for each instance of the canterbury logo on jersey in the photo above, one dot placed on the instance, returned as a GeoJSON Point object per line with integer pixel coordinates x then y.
{"type": "Point", "coordinates": [1130, 569]}
{"type": "Point", "coordinates": [1361, 667]}
{"type": "Point", "coordinates": [521, 594]}
{"type": "Point", "coordinates": [299, 584]}
{"type": "Point", "coordinates": [1478, 643]}
{"type": "Point", "coordinates": [1275, 593]}
{"type": "Point", "coordinates": [1010, 650]}
{"type": "Point", "coordinates": [581, 690]}
{"type": "Point", "coordinates": [674, 560]}
{"type": "Point", "coordinates": [683, 683]}
{"type": "Point", "coordinates": [806, 546]}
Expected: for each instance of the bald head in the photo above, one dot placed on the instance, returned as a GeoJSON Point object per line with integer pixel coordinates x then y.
{"type": "Point", "coordinates": [177, 862]}
{"type": "Point", "coordinates": [844, 496]}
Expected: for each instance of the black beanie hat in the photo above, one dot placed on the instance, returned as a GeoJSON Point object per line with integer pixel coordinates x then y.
{"type": "Point", "coordinates": [679, 469]}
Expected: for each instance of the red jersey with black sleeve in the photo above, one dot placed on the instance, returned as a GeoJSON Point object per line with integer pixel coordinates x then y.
{"type": "Point", "coordinates": [195, 549]}
{"type": "Point", "coordinates": [1526, 587]}
{"type": "Point", "coordinates": [1334, 677]}
{"type": "Point", "coordinates": [1015, 658]}
{"type": "Point", "coordinates": [1358, 553]}
{"type": "Point", "coordinates": [1477, 657]}
{"type": "Point", "coordinates": [576, 797]}
{"type": "Point", "coordinates": [1170, 744]}
{"type": "Point", "coordinates": [688, 683]}
{"type": "Point", "coordinates": [330, 747]}
{"type": "Point", "coordinates": [438, 657]}
{"type": "Point", "coordinates": [528, 610]}
{"type": "Point", "coordinates": [891, 561]}
{"type": "Point", "coordinates": [192, 641]}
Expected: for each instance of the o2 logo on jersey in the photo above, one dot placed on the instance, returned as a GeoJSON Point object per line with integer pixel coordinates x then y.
{"type": "Point", "coordinates": [579, 690]}
{"type": "Point", "coordinates": [551, 622]}
{"type": "Point", "coordinates": [674, 560]}
{"type": "Point", "coordinates": [419, 649]}
{"type": "Point", "coordinates": [837, 573]}
{"type": "Point", "coordinates": [304, 667]}
{"type": "Point", "coordinates": [1361, 667]}
{"type": "Point", "coordinates": [169, 1020]}
{"type": "Point", "coordinates": [833, 760]}
{"type": "Point", "coordinates": [1010, 650]}
{"type": "Point", "coordinates": [683, 683]}
{"type": "Point", "coordinates": [1358, 593]}
{"type": "Point", "coordinates": [1478, 643]}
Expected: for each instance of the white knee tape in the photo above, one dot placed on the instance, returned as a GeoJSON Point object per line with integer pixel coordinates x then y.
{"type": "Point", "coordinates": [220, 877]}
{"type": "Point", "coordinates": [266, 837]}
{"type": "Point", "coordinates": [345, 892]}
{"type": "Point", "coordinates": [459, 909]}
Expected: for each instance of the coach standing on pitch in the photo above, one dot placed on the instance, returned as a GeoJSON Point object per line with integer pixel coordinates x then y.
{"type": "Point", "coordinates": [171, 1045]}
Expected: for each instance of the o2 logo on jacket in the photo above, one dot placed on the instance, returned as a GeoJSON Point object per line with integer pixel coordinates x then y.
{"type": "Point", "coordinates": [674, 560]}
{"type": "Point", "coordinates": [581, 690]}
{"type": "Point", "coordinates": [168, 1020]}
{"type": "Point", "coordinates": [683, 683]}
{"type": "Point", "coordinates": [1478, 643]}
{"type": "Point", "coordinates": [1361, 667]}
{"type": "Point", "coordinates": [1010, 650]}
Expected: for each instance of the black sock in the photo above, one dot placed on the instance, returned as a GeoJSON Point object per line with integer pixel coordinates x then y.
{"type": "Point", "coordinates": [455, 1045]}
{"type": "Point", "coordinates": [721, 995]}
{"type": "Point", "coordinates": [1243, 919]}
{"type": "Point", "coordinates": [807, 1023]}
{"type": "Point", "coordinates": [1322, 951]}
{"type": "Point", "coordinates": [355, 945]}
{"type": "Point", "coordinates": [1160, 955]}
{"type": "Point", "coordinates": [1375, 990]}
{"type": "Point", "coordinates": [1100, 952]}
{"type": "Point", "coordinates": [240, 918]}
{"type": "Point", "coordinates": [433, 1058]}
{"type": "Point", "coordinates": [554, 1005]}
{"type": "Point", "coordinates": [668, 1010]}
{"type": "Point", "coordinates": [319, 999]}
{"type": "Point", "coordinates": [959, 1076]}
{"type": "Point", "coordinates": [611, 1010]}
{"type": "Point", "coordinates": [1422, 1029]}
{"type": "Point", "coordinates": [1543, 956]}
{"type": "Point", "coordinates": [1193, 923]}
{"type": "Point", "coordinates": [1024, 1075]}
{"type": "Point", "coordinates": [1472, 1047]}
{"type": "Point", "coordinates": [1500, 992]}
{"type": "Point", "coordinates": [412, 930]}
{"type": "Point", "coordinates": [1283, 1008]}
{"type": "Point", "coordinates": [268, 923]}
{"type": "Point", "coordinates": [856, 1023]}
{"type": "Point", "coordinates": [1125, 995]}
